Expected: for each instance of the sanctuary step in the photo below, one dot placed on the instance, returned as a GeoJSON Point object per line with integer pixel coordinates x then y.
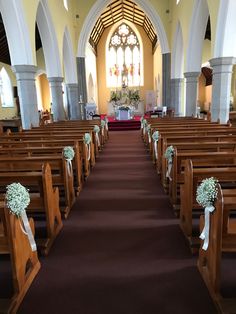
{"type": "Point", "coordinates": [121, 125]}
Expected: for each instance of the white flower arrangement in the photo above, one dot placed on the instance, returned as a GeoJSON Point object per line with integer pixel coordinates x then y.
{"type": "Point", "coordinates": [144, 122]}
{"type": "Point", "coordinates": [87, 138]}
{"type": "Point", "coordinates": [207, 192]}
{"type": "Point", "coordinates": [103, 123]}
{"type": "Point", "coordinates": [17, 198]}
{"type": "Point", "coordinates": [68, 152]}
{"type": "Point", "coordinates": [155, 136]}
{"type": "Point", "coordinates": [96, 129]}
{"type": "Point", "coordinates": [169, 153]}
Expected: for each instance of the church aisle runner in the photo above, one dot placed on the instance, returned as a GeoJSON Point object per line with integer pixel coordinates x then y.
{"type": "Point", "coordinates": [121, 250]}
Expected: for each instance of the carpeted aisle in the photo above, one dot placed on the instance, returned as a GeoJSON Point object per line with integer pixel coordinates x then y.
{"type": "Point", "coordinates": [121, 250]}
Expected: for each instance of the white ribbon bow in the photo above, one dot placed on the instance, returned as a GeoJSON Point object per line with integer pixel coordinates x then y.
{"type": "Point", "coordinates": [149, 137]}
{"type": "Point", "coordinates": [205, 232]}
{"type": "Point", "coordinates": [27, 231]}
{"type": "Point", "coordinates": [155, 149]}
{"type": "Point", "coordinates": [88, 148]}
{"type": "Point", "coordinates": [169, 170]}
{"type": "Point", "coordinates": [97, 139]}
{"type": "Point", "coordinates": [69, 166]}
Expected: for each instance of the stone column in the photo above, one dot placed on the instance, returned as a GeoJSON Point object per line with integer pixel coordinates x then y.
{"type": "Point", "coordinates": [57, 98]}
{"type": "Point", "coordinates": [176, 93]}
{"type": "Point", "coordinates": [73, 101]}
{"type": "Point", "coordinates": [221, 87]}
{"type": "Point", "coordinates": [82, 85]}
{"type": "Point", "coordinates": [25, 76]}
{"type": "Point", "coordinates": [191, 93]}
{"type": "Point", "coordinates": [166, 87]}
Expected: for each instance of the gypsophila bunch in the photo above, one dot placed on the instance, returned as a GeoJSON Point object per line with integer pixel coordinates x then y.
{"type": "Point", "coordinates": [148, 128]}
{"type": "Point", "coordinates": [87, 138]}
{"type": "Point", "coordinates": [17, 198]}
{"type": "Point", "coordinates": [96, 129]}
{"type": "Point", "coordinates": [155, 136]}
{"type": "Point", "coordinates": [207, 192]}
{"type": "Point", "coordinates": [103, 123]}
{"type": "Point", "coordinates": [144, 122]}
{"type": "Point", "coordinates": [68, 152]}
{"type": "Point", "coordinates": [169, 153]}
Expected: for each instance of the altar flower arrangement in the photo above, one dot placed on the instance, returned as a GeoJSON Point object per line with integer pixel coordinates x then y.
{"type": "Point", "coordinates": [124, 108]}
{"type": "Point", "coordinates": [207, 192]}
{"type": "Point", "coordinates": [17, 198]}
{"type": "Point", "coordinates": [169, 153]}
{"type": "Point", "coordinates": [68, 152]}
{"type": "Point", "coordinates": [134, 95]}
{"type": "Point", "coordinates": [115, 96]}
{"type": "Point", "coordinates": [206, 196]}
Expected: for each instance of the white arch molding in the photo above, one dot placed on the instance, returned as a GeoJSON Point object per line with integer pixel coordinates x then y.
{"type": "Point", "coordinates": [96, 11]}
{"type": "Point", "coordinates": [196, 36]}
{"type": "Point", "coordinates": [177, 55]}
{"type": "Point", "coordinates": [225, 43]}
{"type": "Point", "coordinates": [69, 59]}
{"type": "Point", "coordinates": [49, 40]}
{"type": "Point", "coordinates": [17, 32]}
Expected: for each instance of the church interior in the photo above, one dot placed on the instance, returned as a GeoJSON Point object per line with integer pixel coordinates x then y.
{"type": "Point", "coordinates": [117, 156]}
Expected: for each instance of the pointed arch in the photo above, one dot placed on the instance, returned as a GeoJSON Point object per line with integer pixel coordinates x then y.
{"type": "Point", "coordinates": [17, 32]}
{"type": "Point", "coordinates": [69, 59]}
{"type": "Point", "coordinates": [49, 40]}
{"type": "Point", "coordinates": [225, 43]}
{"type": "Point", "coordinates": [96, 11]}
{"type": "Point", "coordinates": [196, 36]}
{"type": "Point", "coordinates": [177, 55]}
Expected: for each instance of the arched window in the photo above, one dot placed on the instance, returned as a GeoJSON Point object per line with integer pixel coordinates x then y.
{"type": "Point", "coordinates": [6, 93]}
{"type": "Point", "coordinates": [123, 58]}
{"type": "Point", "coordinates": [65, 4]}
{"type": "Point", "coordinates": [177, 2]}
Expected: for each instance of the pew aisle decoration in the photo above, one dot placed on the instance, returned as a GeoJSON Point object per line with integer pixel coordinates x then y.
{"type": "Point", "coordinates": [149, 133]}
{"type": "Point", "coordinates": [96, 130]}
{"type": "Point", "coordinates": [87, 141]}
{"type": "Point", "coordinates": [206, 196]}
{"type": "Point", "coordinates": [69, 154]}
{"type": "Point", "coordinates": [103, 125]}
{"type": "Point", "coordinates": [17, 200]}
{"type": "Point", "coordinates": [141, 120]}
{"type": "Point", "coordinates": [106, 121]}
{"type": "Point", "coordinates": [169, 154]}
{"type": "Point", "coordinates": [155, 137]}
{"type": "Point", "coordinates": [144, 126]}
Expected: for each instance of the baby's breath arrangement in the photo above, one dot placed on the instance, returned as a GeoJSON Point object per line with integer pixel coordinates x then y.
{"type": "Point", "coordinates": [155, 136]}
{"type": "Point", "coordinates": [103, 123]}
{"type": "Point", "coordinates": [207, 192]}
{"type": "Point", "coordinates": [169, 153]}
{"type": "Point", "coordinates": [17, 198]}
{"type": "Point", "coordinates": [144, 122]}
{"type": "Point", "coordinates": [96, 129]}
{"type": "Point", "coordinates": [87, 138]}
{"type": "Point", "coordinates": [68, 152]}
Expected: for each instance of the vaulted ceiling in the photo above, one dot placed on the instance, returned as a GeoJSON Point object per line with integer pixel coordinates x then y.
{"type": "Point", "coordinates": [117, 11]}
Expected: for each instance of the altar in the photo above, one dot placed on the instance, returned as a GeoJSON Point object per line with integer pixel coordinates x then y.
{"type": "Point", "coordinates": [123, 114]}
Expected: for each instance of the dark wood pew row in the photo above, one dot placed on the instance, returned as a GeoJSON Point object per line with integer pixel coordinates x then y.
{"type": "Point", "coordinates": [61, 176]}
{"type": "Point", "coordinates": [24, 262]}
{"type": "Point", "coordinates": [33, 151]}
{"type": "Point", "coordinates": [210, 260]}
{"type": "Point", "coordinates": [44, 202]}
{"type": "Point", "coordinates": [189, 209]}
{"type": "Point", "coordinates": [167, 140]}
{"type": "Point", "coordinates": [79, 146]}
{"type": "Point", "coordinates": [201, 157]}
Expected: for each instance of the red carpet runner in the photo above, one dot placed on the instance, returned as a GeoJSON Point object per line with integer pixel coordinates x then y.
{"type": "Point", "coordinates": [121, 250]}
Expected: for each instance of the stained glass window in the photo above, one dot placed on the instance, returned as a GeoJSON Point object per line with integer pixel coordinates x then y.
{"type": "Point", "coordinates": [6, 93]}
{"type": "Point", "coordinates": [123, 58]}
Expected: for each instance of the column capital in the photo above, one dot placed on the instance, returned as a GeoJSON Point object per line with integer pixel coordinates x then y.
{"type": "Point", "coordinates": [72, 85]}
{"type": "Point", "coordinates": [222, 61]}
{"type": "Point", "coordinates": [24, 68]}
{"type": "Point", "coordinates": [55, 79]}
{"type": "Point", "coordinates": [188, 75]}
{"type": "Point", "coordinates": [177, 80]}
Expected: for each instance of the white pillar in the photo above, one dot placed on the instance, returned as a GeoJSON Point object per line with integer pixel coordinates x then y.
{"type": "Point", "coordinates": [176, 95]}
{"type": "Point", "coordinates": [73, 101]}
{"type": "Point", "coordinates": [82, 86]}
{"type": "Point", "coordinates": [191, 93]}
{"type": "Point", "coordinates": [25, 76]}
{"type": "Point", "coordinates": [57, 98]}
{"type": "Point", "coordinates": [221, 87]}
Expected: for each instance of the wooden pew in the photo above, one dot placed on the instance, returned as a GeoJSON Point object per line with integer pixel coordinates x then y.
{"type": "Point", "coordinates": [188, 205]}
{"type": "Point", "coordinates": [209, 261]}
{"type": "Point", "coordinates": [24, 263]}
{"type": "Point", "coordinates": [61, 177]}
{"type": "Point", "coordinates": [44, 201]}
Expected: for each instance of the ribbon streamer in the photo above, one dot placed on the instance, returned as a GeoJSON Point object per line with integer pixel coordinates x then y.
{"type": "Point", "coordinates": [69, 167]}
{"type": "Point", "coordinates": [205, 232]}
{"type": "Point", "coordinates": [155, 149]}
{"type": "Point", "coordinates": [27, 231]}
{"type": "Point", "coordinates": [149, 137]}
{"type": "Point", "coordinates": [97, 139]}
{"type": "Point", "coordinates": [169, 170]}
{"type": "Point", "coordinates": [88, 148]}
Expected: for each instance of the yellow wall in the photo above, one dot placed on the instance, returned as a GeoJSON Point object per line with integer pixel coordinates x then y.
{"type": "Point", "coordinates": [103, 91]}
{"type": "Point", "coordinates": [206, 51]}
{"type": "Point", "coordinates": [204, 93]}
{"type": "Point", "coordinates": [157, 74]}
{"type": "Point", "coordinates": [44, 91]}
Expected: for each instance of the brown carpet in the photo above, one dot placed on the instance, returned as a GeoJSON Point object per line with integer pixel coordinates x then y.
{"type": "Point", "coordinates": [121, 251]}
